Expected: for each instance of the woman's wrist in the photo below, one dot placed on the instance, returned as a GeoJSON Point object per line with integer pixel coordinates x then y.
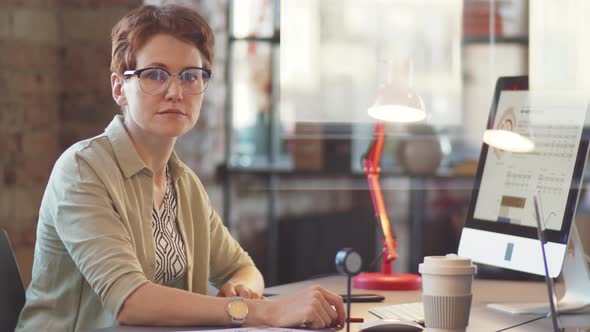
{"type": "Point", "coordinates": [260, 313]}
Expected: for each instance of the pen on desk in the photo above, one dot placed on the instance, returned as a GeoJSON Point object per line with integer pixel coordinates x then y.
{"type": "Point", "coordinates": [356, 320]}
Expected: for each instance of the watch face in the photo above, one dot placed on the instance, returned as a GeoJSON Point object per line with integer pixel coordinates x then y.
{"type": "Point", "coordinates": [237, 309]}
{"type": "Point", "coordinates": [353, 262]}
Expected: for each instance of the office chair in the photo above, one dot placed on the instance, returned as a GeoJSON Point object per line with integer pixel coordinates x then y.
{"type": "Point", "coordinates": [12, 298]}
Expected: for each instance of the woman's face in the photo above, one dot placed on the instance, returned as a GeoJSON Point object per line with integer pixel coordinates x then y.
{"type": "Point", "coordinates": [172, 112]}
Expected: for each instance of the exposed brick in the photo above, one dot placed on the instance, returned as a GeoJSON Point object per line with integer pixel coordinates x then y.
{"type": "Point", "coordinates": [91, 109]}
{"type": "Point", "coordinates": [13, 141]}
{"type": "Point", "coordinates": [35, 25]}
{"type": "Point", "coordinates": [11, 116]}
{"type": "Point", "coordinates": [31, 83]}
{"type": "Point", "coordinates": [9, 167]}
{"type": "Point", "coordinates": [81, 57]}
{"type": "Point", "coordinates": [2, 172]}
{"type": "Point", "coordinates": [41, 113]}
{"type": "Point", "coordinates": [26, 202]}
{"type": "Point", "coordinates": [40, 151]}
{"type": "Point", "coordinates": [4, 153]}
{"type": "Point", "coordinates": [9, 175]}
{"type": "Point", "coordinates": [86, 80]}
{"type": "Point", "coordinates": [6, 204]}
{"type": "Point", "coordinates": [84, 83]}
{"type": "Point", "coordinates": [26, 55]}
{"type": "Point", "coordinates": [89, 25]}
{"type": "Point", "coordinates": [73, 132]}
{"type": "Point", "coordinates": [5, 23]}
{"type": "Point", "coordinates": [71, 3]}
{"type": "Point", "coordinates": [18, 229]}
{"type": "Point", "coordinates": [31, 3]}
{"type": "Point", "coordinates": [29, 232]}
{"type": "Point", "coordinates": [100, 3]}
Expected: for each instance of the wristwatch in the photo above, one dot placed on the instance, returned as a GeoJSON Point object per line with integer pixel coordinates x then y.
{"type": "Point", "coordinates": [237, 310]}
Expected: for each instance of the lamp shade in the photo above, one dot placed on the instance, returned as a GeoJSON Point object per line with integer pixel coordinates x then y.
{"type": "Point", "coordinates": [397, 103]}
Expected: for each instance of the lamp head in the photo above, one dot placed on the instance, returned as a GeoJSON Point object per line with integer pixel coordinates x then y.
{"type": "Point", "coordinates": [508, 141]}
{"type": "Point", "coordinates": [396, 103]}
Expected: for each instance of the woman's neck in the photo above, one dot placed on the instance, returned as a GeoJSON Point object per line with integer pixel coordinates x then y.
{"type": "Point", "coordinates": [155, 151]}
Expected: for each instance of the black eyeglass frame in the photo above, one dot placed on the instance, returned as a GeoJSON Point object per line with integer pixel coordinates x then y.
{"type": "Point", "coordinates": [138, 73]}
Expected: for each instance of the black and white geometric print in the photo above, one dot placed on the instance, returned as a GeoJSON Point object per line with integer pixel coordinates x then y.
{"type": "Point", "coordinates": [171, 261]}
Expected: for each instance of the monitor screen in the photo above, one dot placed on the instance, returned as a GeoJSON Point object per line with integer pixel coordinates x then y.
{"type": "Point", "coordinates": [500, 228]}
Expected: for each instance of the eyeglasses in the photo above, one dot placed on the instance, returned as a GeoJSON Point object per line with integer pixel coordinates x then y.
{"type": "Point", "coordinates": [154, 80]}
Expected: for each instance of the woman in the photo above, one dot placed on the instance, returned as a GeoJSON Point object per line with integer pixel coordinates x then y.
{"type": "Point", "coordinates": [126, 232]}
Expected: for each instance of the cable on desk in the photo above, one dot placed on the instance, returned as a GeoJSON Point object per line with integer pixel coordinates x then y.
{"type": "Point", "coordinates": [523, 323]}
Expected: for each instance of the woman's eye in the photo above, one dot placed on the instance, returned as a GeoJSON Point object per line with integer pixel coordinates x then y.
{"type": "Point", "coordinates": [156, 75]}
{"type": "Point", "coordinates": [189, 76]}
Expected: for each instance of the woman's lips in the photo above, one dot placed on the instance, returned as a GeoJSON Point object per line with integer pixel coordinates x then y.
{"type": "Point", "coordinates": [171, 112]}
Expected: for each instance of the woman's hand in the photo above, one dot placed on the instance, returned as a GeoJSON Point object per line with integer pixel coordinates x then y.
{"type": "Point", "coordinates": [233, 288]}
{"type": "Point", "coordinates": [314, 307]}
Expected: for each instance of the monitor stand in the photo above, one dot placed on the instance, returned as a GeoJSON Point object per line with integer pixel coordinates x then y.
{"type": "Point", "coordinates": [576, 279]}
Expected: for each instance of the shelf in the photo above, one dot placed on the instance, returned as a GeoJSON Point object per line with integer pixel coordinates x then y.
{"type": "Point", "coordinates": [224, 169]}
{"type": "Point", "coordinates": [524, 40]}
{"type": "Point", "coordinates": [276, 39]}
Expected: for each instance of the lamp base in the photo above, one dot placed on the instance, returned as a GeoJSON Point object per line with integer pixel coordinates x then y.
{"type": "Point", "coordinates": [387, 281]}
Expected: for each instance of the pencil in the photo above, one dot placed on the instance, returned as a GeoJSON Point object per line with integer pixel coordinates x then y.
{"type": "Point", "coordinates": [356, 320]}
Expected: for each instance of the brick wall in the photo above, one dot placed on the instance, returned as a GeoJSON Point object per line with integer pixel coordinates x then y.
{"type": "Point", "coordinates": [54, 90]}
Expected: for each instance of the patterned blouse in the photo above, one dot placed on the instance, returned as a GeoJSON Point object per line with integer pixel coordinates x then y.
{"type": "Point", "coordinates": [171, 263]}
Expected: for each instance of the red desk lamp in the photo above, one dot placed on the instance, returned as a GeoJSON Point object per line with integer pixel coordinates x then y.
{"type": "Point", "coordinates": [400, 104]}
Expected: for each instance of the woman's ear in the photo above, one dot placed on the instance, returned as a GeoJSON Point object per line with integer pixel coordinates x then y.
{"type": "Point", "coordinates": [117, 89]}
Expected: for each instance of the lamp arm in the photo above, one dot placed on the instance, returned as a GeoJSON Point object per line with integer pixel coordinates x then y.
{"type": "Point", "coordinates": [372, 170]}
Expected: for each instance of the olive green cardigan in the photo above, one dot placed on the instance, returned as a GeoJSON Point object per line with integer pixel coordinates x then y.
{"type": "Point", "coordinates": [94, 237]}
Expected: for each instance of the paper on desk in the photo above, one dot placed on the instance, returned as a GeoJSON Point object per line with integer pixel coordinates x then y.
{"type": "Point", "coordinates": [248, 329]}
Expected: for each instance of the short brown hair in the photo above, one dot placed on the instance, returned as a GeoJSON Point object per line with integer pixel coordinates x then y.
{"type": "Point", "coordinates": [138, 26]}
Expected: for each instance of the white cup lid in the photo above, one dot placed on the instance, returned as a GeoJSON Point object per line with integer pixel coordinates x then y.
{"type": "Point", "coordinates": [450, 264]}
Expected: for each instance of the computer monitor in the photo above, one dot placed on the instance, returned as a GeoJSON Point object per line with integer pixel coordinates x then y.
{"type": "Point", "coordinates": [500, 228]}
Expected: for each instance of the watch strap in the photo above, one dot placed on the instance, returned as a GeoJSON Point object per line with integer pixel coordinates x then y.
{"type": "Point", "coordinates": [235, 320]}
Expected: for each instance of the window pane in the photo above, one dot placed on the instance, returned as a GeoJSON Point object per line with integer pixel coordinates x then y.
{"type": "Point", "coordinates": [252, 18]}
{"type": "Point", "coordinates": [332, 66]}
{"type": "Point", "coordinates": [334, 63]}
{"type": "Point", "coordinates": [252, 100]}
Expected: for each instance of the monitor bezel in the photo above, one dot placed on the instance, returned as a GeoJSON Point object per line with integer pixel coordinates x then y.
{"type": "Point", "coordinates": [520, 83]}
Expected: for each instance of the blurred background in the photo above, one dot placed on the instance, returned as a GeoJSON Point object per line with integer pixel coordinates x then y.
{"type": "Point", "coordinates": [284, 125]}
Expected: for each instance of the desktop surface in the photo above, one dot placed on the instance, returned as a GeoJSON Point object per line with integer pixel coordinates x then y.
{"type": "Point", "coordinates": [481, 318]}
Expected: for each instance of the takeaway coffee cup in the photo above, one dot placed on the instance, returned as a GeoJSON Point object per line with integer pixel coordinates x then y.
{"type": "Point", "coordinates": [446, 292]}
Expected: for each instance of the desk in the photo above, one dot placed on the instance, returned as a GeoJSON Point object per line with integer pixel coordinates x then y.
{"type": "Point", "coordinates": [481, 319]}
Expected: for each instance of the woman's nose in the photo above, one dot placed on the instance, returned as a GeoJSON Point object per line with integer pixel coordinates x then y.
{"type": "Point", "coordinates": [174, 90]}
